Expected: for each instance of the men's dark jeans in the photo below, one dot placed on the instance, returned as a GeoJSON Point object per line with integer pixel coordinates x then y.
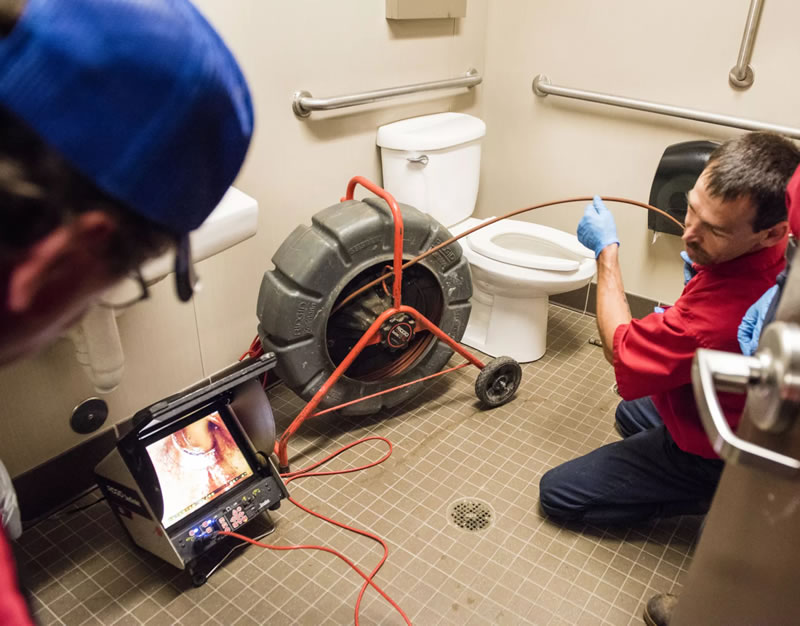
{"type": "Point", "coordinates": [642, 477]}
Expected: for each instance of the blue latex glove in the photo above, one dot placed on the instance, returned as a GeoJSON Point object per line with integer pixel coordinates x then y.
{"type": "Point", "coordinates": [752, 322]}
{"type": "Point", "coordinates": [597, 229]}
{"type": "Point", "coordinates": [688, 270]}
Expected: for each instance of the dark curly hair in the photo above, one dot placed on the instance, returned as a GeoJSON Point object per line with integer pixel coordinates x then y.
{"type": "Point", "coordinates": [40, 191]}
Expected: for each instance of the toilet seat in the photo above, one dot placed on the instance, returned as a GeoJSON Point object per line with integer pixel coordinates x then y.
{"type": "Point", "coordinates": [528, 245]}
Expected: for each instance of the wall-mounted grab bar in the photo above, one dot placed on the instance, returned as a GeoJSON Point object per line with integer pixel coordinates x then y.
{"type": "Point", "coordinates": [304, 103]}
{"type": "Point", "coordinates": [741, 74]}
{"type": "Point", "coordinates": [542, 87]}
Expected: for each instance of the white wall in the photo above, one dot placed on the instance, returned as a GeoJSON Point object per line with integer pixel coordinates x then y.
{"type": "Point", "coordinates": [294, 169]}
{"type": "Point", "coordinates": [678, 52]}
{"type": "Point", "coordinates": [536, 149]}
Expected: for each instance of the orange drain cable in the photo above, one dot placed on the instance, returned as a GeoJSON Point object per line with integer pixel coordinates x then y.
{"type": "Point", "coordinates": [497, 219]}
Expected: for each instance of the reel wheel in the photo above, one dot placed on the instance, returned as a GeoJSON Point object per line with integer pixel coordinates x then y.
{"type": "Point", "coordinates": [498, 381]}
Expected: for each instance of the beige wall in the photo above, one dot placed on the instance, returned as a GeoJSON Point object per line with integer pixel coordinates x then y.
{"type": "Point", "coordinates": [678, 52]}
{"type": "Point", "coordinates": [536, 149]}
{"type": "Point", "coordinates": [294, 169]}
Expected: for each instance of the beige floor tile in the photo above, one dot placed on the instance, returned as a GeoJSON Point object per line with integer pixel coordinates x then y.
{"type": "Point", "coordinates": [522, 569]}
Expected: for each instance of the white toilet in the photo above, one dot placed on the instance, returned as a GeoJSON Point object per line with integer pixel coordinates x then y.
{"type": "Point", "coordinates": [433, 164]}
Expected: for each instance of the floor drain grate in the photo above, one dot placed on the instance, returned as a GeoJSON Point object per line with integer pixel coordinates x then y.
{"type": "Point", "coordinates": [469, 514]}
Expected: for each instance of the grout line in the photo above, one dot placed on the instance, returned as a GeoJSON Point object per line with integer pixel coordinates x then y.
{"type": "Point", "coordinates": [564, 409]}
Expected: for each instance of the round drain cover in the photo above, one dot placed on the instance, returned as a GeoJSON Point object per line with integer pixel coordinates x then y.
{"type": "Point", "coordinates": [470, 514]}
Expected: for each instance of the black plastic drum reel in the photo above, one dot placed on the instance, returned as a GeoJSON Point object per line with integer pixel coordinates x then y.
{"type": "Point", "coordinates": [350, 334]}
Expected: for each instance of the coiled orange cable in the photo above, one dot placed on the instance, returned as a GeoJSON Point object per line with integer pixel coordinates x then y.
{"type": "Point", "coordinates": [417, 259]}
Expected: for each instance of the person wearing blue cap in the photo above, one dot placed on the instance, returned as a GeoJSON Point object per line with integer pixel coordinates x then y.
{"type": "Point", "coordinates": [122, 124]}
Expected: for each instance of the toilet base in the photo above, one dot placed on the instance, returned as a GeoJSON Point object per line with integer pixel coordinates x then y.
{"type": "Point", "coordinates": [515, 327]}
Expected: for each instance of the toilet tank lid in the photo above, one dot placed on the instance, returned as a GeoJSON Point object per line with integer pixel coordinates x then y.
{"type": "Point", "coordinates": [431, 132]}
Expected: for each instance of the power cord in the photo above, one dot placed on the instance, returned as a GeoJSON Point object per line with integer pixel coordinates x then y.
{"type": "Point", "coordinates": [78, 509]}
{"type": "Point", "coordinates": [307, 473]}
{"type": "Point", "coordinates": [256, 350]}
{"type": "Point", "coordinates": [63, 511]}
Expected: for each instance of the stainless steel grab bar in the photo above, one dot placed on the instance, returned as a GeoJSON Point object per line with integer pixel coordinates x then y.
{"type": "Point", "coordinates": [304, 103]}
{"type": "Point", "coordinates": [741, 74]}
{"type": "Point", "coordinates": [542, 87]}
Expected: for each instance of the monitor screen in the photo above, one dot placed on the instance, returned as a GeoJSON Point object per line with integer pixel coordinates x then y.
{"type": "Point", "coordinates": [195, 465]}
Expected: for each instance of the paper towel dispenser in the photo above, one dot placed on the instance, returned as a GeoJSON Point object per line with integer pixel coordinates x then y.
{"type": "Point", "coordinates": [678, 170]}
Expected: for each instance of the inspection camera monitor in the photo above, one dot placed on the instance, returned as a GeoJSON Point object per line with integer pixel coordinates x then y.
{"type": "Point", "coordinates": [196, 463]}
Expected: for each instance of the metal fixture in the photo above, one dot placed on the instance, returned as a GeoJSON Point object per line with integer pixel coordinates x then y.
{"type": "Point", "coordinates": [422, 160]}
{"type": "Point", "coordinates": [542, 87]}
{"type": "Point", "coordinates": [771, 378]}
{"type": "Point", "coordinates": [304, 103]}
{"type": "Point", "coordinates": [88, 416]}
{"type": "Point", "coordinates": [470, 514]}
{"type": "Point", "coordinates": [741, 75]}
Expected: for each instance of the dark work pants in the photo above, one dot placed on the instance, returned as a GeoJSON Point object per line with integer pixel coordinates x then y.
{"type": "Point", "coordinates": [642, 477]}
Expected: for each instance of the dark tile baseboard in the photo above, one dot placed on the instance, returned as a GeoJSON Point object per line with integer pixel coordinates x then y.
{"type": "Point", "coordinates": [58, 481]}
{"type": "Point", "coordinates": [49, 486]}
{"type": "Point", "coordinates": [575, 300]}
{"type": "Point", "coordinates": [585, 301]}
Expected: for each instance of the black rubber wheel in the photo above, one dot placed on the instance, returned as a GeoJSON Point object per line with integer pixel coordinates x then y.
{"type": "Point", "coordinates": [498, 381]}
{"type": "Point", "coordinates": [348, 245]}
{"type": "Point", "coordinates": [198, 578]}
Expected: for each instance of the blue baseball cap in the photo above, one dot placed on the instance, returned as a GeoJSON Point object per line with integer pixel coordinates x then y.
{"type": "Point", "coordinates": [140, 96]}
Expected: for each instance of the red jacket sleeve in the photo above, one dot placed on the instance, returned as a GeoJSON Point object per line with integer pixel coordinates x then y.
{"type": "Point", "coordinates": [13, 609]}
{"type": "Point", "coordinates": [653, 354]}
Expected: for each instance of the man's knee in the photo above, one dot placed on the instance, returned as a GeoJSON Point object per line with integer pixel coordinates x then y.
{"type": "Point", "coordinates": [553, 498]}
{"type": "Point", "coordinates": [622, 420]}
{"type": "Point", "coordinates": [635, 416]}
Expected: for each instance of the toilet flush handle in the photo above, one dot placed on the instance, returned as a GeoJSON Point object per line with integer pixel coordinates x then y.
{"type": "Point", "coordinates": [420, 159]}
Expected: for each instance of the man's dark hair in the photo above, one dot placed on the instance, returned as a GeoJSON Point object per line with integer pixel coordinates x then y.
{"type": "Point", "coordinates": [10, 10]}
{"type": "Point", "coordinates": [40, 191]}
{"type": "Point", "coordinates": [756, 165]}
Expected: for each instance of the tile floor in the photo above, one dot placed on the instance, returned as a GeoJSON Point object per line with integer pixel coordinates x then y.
{"type": "Point", "coordinates": [521, 570]}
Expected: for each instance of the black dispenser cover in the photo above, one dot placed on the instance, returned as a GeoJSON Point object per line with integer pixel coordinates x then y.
{"type": "Point", "coordinates": [677, 172]}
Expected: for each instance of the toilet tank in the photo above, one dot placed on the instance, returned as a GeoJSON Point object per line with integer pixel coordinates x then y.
{"type": "Point", "coordinates": [433, 163]}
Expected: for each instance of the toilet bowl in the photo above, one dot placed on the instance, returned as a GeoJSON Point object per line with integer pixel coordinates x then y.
{"type": "Point", "coordinates": [515, 267]}
{"type": "Point", "coordinates": [433, 163]}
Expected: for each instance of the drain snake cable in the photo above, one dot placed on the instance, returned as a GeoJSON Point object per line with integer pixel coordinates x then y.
{"type": "Point", "coordinates": [444, 244]}
{"type": "Point", "coordinates": [306, 472]}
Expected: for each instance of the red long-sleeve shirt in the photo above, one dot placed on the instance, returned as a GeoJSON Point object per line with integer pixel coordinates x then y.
{"type": "Point", "coordinates": [13, 609]}
{"type": "Point", "coordinates": [653, 356]}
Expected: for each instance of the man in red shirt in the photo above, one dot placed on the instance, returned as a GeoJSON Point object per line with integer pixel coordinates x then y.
{"type": "Point", "coordinates": [660, 608]}
{"type": "Point", "coordinates": [122, 124]}
{"type": "Point", "coordinates": [736, 232]}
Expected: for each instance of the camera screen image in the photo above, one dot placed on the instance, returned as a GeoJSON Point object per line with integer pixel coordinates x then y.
{"type": "Point", "coordinates": [195, 465]}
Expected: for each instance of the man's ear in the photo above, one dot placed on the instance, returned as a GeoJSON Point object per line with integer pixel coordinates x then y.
{"type": "Point", "coordinates": [70, 257]}
{"type": "Point", "coordinates": [775, 234]}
